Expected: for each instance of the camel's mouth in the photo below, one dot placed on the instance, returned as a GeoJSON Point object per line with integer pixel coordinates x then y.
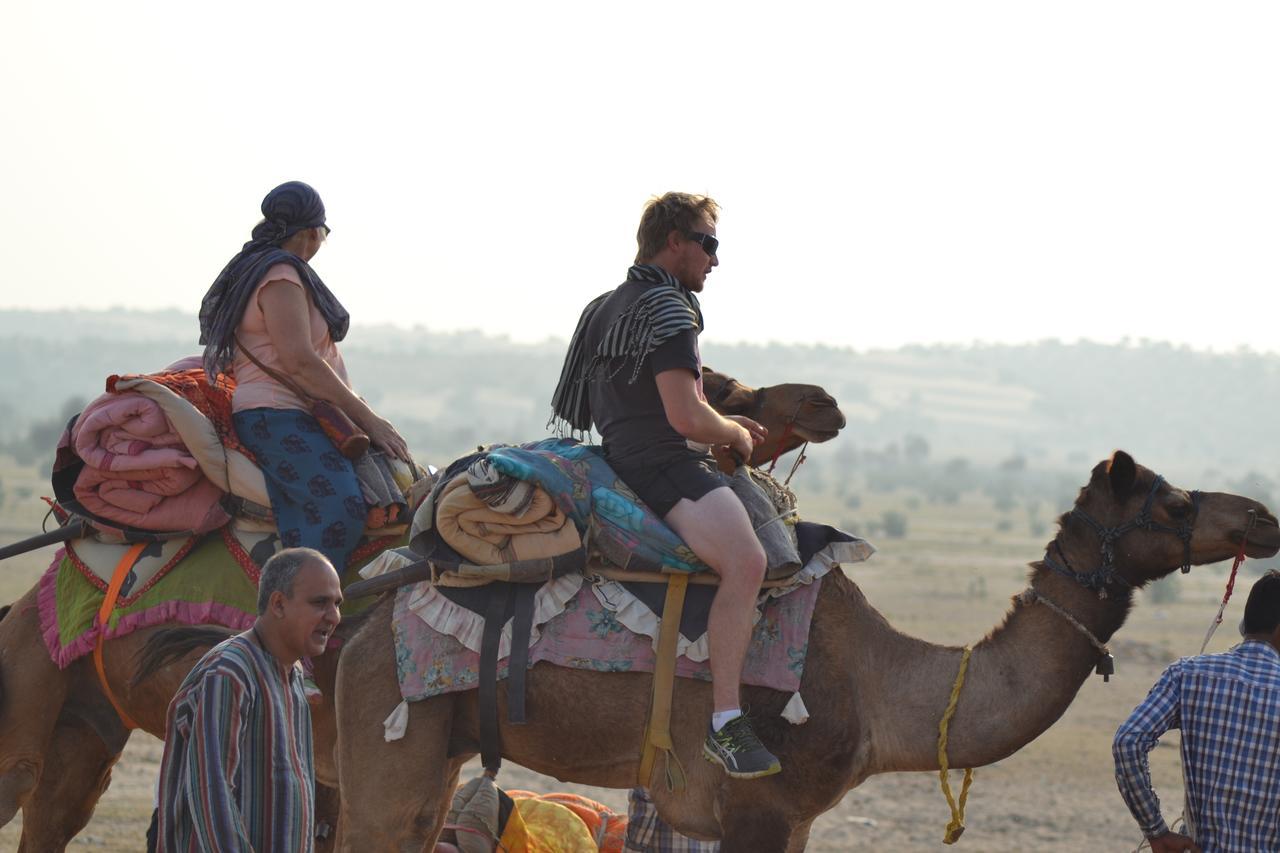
{"type": "Point", "coordinates": [1264, 538]}
{"type": "Point", "coordinates": [819, 421]}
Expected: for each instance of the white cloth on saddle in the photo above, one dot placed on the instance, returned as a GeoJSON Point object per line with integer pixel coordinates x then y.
{"type": "Point", "coordinates": [467, 627]}
{"type": "Point", "coordinates": [100, 554]}
{"type": "Point", "coordinates": [636, 616]}
{"type": "Point", "coordinates": [463, 625]}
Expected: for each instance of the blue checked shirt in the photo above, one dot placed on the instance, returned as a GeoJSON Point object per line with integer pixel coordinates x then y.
{"type": "Point", "coordinates": [1228, 708]}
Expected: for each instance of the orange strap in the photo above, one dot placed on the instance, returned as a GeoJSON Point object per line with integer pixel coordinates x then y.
{"type": "Point", "coordinates": [104, 613]}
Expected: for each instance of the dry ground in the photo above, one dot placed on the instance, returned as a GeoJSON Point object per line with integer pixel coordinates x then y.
{"type": "Point", "coordinates": [1058, 791]}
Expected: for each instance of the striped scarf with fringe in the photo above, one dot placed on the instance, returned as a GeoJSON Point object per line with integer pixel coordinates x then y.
{"type": "Point", "coordinates": [656, 315]}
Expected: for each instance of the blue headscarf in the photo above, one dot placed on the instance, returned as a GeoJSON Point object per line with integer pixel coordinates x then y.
{"type": "Point", "coordinates": [286, 210]}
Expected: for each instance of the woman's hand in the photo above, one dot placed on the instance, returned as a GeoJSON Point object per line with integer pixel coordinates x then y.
{"type": "Point", "coordinates": [384, 437]}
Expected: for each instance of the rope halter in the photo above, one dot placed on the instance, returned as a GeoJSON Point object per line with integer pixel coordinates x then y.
{"type": "Point", "coordinates": [1108, 573]}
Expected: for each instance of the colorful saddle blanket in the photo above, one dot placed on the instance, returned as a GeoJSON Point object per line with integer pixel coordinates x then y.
{"type": "Point", "coordinates": [606, 512]}
{"type": "Point", "coordinates": [600, 627]}
{"type": "Point", "coordinates": [196, 580]}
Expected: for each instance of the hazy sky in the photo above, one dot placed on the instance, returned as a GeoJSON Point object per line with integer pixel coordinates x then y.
{"type": "Point", "coordinates": [890, 172]}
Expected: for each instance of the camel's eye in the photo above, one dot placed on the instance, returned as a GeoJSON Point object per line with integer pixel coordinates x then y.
{"type": "Point", "coordinates": [1179, 511]}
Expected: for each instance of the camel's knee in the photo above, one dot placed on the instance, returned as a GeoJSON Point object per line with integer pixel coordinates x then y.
{"type": "Point", "coordinates": [17, 782]}
{"type": "Point", "coordinates": [754, 831]}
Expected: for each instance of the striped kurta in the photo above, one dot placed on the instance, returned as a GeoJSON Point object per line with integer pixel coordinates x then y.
{"type": "Point", "coordinates": [237, 773]}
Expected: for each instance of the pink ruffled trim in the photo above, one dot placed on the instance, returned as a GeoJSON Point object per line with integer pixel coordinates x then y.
{"type": "Point", "coordinates": [47, 604]}
{"type": "Point", "coordinates": [183, 612]}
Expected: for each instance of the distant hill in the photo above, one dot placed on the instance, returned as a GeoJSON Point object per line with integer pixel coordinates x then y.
{"type": "Point", "coordinates": [1058, 407]}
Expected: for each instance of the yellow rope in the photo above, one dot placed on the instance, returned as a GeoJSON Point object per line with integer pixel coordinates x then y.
{"type": "Point", "coordinates": [956, 828]}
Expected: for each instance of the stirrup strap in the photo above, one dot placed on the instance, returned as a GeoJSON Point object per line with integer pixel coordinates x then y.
{"type": "Point", "coordinates": [657, 736]}
{"type": "Point", "coordinates": [104, 613]}
{"type": "Point", "coordinates": [490, 736]}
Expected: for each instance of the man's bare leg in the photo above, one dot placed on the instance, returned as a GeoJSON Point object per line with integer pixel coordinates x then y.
{"type": "Point", "coordinates": [718, 530]}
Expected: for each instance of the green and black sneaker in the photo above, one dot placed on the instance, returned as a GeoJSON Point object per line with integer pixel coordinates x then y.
{"type": "Point", "coordinates": [737, 749]}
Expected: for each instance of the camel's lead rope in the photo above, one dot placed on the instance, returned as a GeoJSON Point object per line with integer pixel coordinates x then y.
{"type": "Point", "coordinates": [1231, 581]}
{"type": "Point", "coordinates": [956, 828]}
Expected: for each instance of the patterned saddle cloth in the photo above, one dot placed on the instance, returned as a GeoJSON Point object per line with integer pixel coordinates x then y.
{"type": "Point", "coordinates": [194, 580]}
{"type": "Point", "coordinates": [599, 626]}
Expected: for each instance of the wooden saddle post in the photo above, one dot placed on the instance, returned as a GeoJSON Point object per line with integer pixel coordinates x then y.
{"type": "Point", "coordinates": [657, 732]}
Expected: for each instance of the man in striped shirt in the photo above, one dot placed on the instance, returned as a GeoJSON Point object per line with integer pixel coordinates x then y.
{"type": "Point", "coordinates": [237, 773]}
{"type": "Point", "coordinates": [1228, 708]}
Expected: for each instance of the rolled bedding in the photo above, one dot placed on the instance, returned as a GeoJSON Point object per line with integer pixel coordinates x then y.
{"type": "Point", "coordinates": [137, 470]}
{"type": "Point", "coordinates": [488, 536]}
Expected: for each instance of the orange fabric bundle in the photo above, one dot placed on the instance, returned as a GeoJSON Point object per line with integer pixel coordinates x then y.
{"type": "Point", "coordinates": [212, 401]}
{"type": "Point", "coordinates": [608, 828]}
{"type": "Point", "coordinates": [488, 537]}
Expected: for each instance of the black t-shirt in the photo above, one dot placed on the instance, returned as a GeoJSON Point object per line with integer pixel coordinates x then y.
{"type": "Point", "coordinates": [629, 416]}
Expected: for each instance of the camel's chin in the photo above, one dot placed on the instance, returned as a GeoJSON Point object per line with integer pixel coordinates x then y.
{"type": "Point", "coordinates": [816, 436]}
{"type": "Point", "coordinates": [1261, 550]}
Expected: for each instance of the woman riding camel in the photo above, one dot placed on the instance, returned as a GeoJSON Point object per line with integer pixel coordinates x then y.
{"type": "Point", "coordinates": [270, 320]}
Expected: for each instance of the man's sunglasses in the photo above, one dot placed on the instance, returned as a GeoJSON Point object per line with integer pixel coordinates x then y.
{"type": "Point", "coordinates": [708, 243]}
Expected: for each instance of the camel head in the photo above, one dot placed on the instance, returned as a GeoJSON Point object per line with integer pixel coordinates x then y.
{"type": "Point", "coordinates": [793, 413]}
{"type": "Point", "coordinates": [1129, 527]}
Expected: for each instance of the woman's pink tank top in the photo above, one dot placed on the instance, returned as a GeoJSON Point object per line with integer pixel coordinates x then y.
{"type": "Point", "coordinates": [254, 388]}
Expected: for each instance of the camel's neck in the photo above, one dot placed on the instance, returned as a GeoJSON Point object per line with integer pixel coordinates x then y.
{"type": "Point", "coordinates": [1020, 679]}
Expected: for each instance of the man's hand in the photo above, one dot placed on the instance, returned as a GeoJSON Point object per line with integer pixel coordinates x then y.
{"type": "Point", "coordinates": [742, 445]}
{"type": "Point", "coordinates": [756, 430]}
{"type": "Point", "coordinates": [1172, 842]}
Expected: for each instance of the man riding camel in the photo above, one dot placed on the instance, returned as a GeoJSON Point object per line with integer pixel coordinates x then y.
{"type": "Point", "coordinates": [634, 370]}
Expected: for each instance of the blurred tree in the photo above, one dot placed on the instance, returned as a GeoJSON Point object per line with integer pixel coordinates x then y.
{"type": "Point", "coordinates": [894, 523]}
{"type": "Point", "coordinates": [915, 449]}
{"type": "Point", "coordinates": [1013, 464]}
{"type": "Point", "coordinates": [41, 439]}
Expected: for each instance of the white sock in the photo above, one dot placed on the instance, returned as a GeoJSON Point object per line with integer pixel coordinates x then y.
{"type": "Point", "coordinates": [719, 718]}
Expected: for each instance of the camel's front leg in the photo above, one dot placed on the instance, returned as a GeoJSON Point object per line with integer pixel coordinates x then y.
{"type": "Point", "coordinates": [395, 795]}
{"type": "Point", "coordinates": [758, 828]}
{"type": "Point", "coordinates": [800, 837]}
{"type": "Point", "coordinates": [32, 692]}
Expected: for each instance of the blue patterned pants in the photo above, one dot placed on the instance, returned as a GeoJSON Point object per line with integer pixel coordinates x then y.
{"type": "Point", "coordinates": [315, 495]}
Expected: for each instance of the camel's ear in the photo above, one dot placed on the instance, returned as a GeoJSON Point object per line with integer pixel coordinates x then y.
{"type": "Point", "coordinates": [1122, 471]}
{"type": "Point", "coordinates": [726, 395]}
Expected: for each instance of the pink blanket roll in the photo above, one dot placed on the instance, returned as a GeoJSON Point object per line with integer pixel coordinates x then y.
{"type": "Point", "coordinates": [160, 504]}
{"type": "Point", "coordinates": [134, 491]}
{"type": "Point", "coordinates": [128, 432]}
{"type": "Point", "coordinates": [137, 470]}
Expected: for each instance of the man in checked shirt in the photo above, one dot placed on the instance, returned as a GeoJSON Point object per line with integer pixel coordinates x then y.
{"type": "Point", "coordinates": [1228, 708]}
